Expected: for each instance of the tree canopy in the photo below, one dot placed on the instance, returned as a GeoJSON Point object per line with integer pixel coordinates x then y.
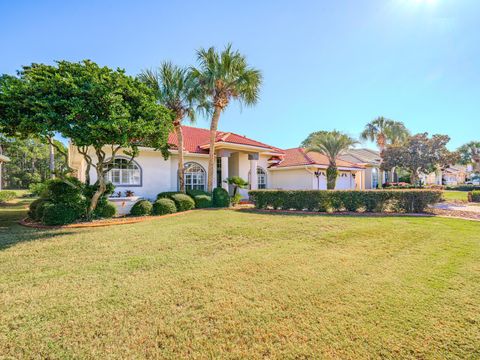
{"type": "Point", "coordinates": [95, 107]}
{"type": "Point", "coordinates": [470, 154]}
{"type": "Point", "coordinates": [419, 154]}
{"type": "Point", "coordinates": [385, 132]}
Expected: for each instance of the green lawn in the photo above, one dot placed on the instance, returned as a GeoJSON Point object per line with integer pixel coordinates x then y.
{"type": "Point", "coordinates": [455, 196]}
{"type": "Point", "coordinates": [226, 284]}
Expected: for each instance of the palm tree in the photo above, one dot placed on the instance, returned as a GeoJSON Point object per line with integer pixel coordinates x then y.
{"type": "Point", "coordinates": [385, 132]}
{"type": "Point", "coordinates": [222, 77]}
{"type": "Point", "coordinates": [331, 144]}
{"type": "Point", "coordinates": [175, 89]}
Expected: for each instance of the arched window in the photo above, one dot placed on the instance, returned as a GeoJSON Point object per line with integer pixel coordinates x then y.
{"type": "Point", "coordinates": [195, 176]}
{"type": "Point", "coordinates": [124, 172]}
{"type": "Point", "coordinates": [261, 178]}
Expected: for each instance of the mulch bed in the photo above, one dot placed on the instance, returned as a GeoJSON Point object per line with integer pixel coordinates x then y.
{"type": "Point", "coordinates": [468, 215]}
{"type": "Point", "coordinates": [98, 223]}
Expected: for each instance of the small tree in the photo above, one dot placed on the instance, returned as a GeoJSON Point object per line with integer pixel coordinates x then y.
{"type": "Point", "coordinates": [470, 154]}
{"type": "Point", "coordinates": [238, 183]}
{"type": "Point", "coordinates": [331, 144]}
{"type": "Point", "coordinates": [420, 154]}
{"type": "Point", "coordinates": [102, 111]}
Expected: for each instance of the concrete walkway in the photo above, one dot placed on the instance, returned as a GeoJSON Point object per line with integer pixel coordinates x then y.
{"type": "Point", "coordinates": [459, 207]}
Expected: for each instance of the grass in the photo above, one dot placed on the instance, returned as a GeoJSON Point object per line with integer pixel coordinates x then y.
{"type": "Point", "coordinates": [226, 284]}
{"type": "Point", "coordinates": [455, 196]}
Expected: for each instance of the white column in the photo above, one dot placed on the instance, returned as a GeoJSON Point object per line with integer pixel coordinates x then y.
{"type": "Point", "coordinates": [224, 160]}
{"type": "Point", "coordinates": [253, 171]}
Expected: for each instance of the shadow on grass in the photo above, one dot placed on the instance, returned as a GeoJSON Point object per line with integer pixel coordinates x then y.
{"type": "Point", "coordinates": [335, 215]}
{"type": "Point", "coordinates": [11, 233]}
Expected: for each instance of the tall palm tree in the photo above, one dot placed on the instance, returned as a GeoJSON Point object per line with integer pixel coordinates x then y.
{"type": "Point", "coordinates": [385, 132]}
{"type": "Point", "coordinates": [223, 77]}
{"type": "Point", "coordinates": [331, 144]}
{"type": "Point", "coordinates": [175, 89]}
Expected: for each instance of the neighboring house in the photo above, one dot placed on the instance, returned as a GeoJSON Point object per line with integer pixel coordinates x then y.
{"type": "Point", "coordinates": [3, 159]}
{"type": "Point", "coordinates": [149, 174]}
{"type": "Point", "coordinates": [453, 175]}
{"type": "Point", "coordinates": [371, 160]}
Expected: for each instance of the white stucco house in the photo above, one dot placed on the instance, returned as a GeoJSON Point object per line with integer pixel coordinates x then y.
{"type": "Point", "coordinates": [273, 168]}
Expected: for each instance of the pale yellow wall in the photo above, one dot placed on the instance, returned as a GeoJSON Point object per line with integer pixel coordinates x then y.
{"type": "Point", "coordinates": [292, 179]}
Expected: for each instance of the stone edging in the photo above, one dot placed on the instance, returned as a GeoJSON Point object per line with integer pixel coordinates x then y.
{"type": "Point", "coordinates": [100, 223]}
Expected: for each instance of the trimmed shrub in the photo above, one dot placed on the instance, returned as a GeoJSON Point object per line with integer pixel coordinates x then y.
{"type": "Point", "coordinates": [59, 191]}
{"type": "Point", "coordinates": [474, 196]}
{"type": "Point", "coordinates": [235, 199]}
{"type": "Point", "coordinates": [195, 192]}
{"type": "Point", "coordinates": [38, 189]}
{"type": "Point", "coordinates": [59, 214]}
{"type": "Point", "coordinates": [203, 201]}
{"type": "Point", "coordinates": [7, 195]}
{"type": "Point", "coordinates": [464, 187]}
{"type": "Point", "coordinates": [411, 201]}
{"type": "Point", "coordinates": [183, 202]}
{"type": "Point", "coordinates": [141, 208]}
{"type": "Point", "coordinates": [168, 194]}
{"type": "Point", "coordinates": [220, 198]}
{"type": "Point", "coordinates": [40, 210]}
{"type": "Point", "coordinates": [105, 210]}
{"type": "Point", "coordinates": [164, 206]}
{"type": "Point", "coordinates": [34, 205]}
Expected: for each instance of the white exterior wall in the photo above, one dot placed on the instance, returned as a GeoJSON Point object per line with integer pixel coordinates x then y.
{"type": "Point", "coordinates": [292, 179]}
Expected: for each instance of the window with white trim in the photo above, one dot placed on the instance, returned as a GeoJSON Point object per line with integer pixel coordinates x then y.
{"type": "Point", "coordinates": [195, 176]}
{"type": "Point", "coordinates": [124, 172]}
{"type": "Point", "coordinates": [261, 178]}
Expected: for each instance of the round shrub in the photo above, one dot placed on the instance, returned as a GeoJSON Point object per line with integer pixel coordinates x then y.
{"type": "Point", "coordinates": [141, 208]}
{"type": "Point", "coordinates": [40, 210]}
{"type": "Point", "coordinates": [220, 197]}
{"type": "Point", "coordinates": [105, 210]}
{"type": "Point", "coordinates": [195, 192]}
{"type": "Point", "coordinates": [59, 191]}
{"type": "Point", "coordinates": [164, 206]}
{"type": "Point", "coordinates": [202, 201]}
{"type": "Point", "coordinates": [167, 194]}
{"type": "Point", "coordinates": [59, 214]}
{"type": "Point", "coordinates": [183, 202]}
{"type": "Point", "coordinates": [32, 213]}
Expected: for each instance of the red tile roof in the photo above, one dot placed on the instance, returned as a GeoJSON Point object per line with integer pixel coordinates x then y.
{"type": "Point", "coordinates": [196, 139]}
{"type": "Point", "coordinates": [298, 157]}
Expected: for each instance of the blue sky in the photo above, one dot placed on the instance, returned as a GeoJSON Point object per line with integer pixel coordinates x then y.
{"type": "Point", "coordinates": [326, 64]}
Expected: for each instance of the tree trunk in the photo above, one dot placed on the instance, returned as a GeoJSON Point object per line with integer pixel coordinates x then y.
{"type": "Point", "coordinates": [181, 170]}
{"type": "Point", "coordinates": [100, 190]}
{"type": "Point", "coordinates": [52, 162]}
{"type": "Point", "coordinates": [332, 174]}
{"type": "Point", "coordinates": [413, 177]}
{"type": "Point", "coordinates": [211, 157]}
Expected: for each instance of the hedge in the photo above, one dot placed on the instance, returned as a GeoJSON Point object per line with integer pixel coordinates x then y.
{"type": "Point", "coordinates": [220, 198]}
{"type": "Point", "coordinates": [474, 196]}
{"type": "Point", "coordinates": [7, 195]}
{"type": "Point", "coordinates": [141, 208]}
{"type": "Point", "coordinates": [464, 187]}
{"type": "Point", "coordinates": [36, 209]}
{"type": "Point", "coordinates": [164, 206]}
{"type": "Point", "coordinates": [183, 202]}
{"type": "Point", "coordinates": [105, 210]}
{"type": "Point", "coordinates": [410, 201]}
